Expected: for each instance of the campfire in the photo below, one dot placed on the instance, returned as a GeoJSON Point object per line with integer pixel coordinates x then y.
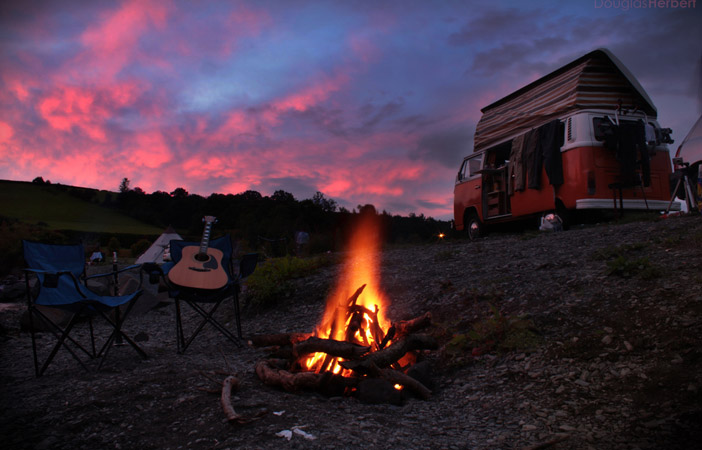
{"type": "Point", "coordinates": [354, 348]}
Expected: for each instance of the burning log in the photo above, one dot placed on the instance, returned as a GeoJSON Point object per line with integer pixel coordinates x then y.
{"type": "Point", "coordinates": [282, 378]}
{"type": "Point", "coordinates": [342, 349]}
{"type": "Point", "coordinates": [354, 297]}
{"type": "Point", "coordinates": [272, 376]}
{"type": "Point", "coordinates": [391, 354]}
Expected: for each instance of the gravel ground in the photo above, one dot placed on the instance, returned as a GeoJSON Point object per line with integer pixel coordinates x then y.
{"type": "Point", "coordinates": [617, 363]}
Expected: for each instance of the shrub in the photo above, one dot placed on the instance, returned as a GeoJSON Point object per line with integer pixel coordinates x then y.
{"type": "Point", "coordinates": [113, 245]}
{"type": "Point", "coordinates": [12, 231]}
{"type": "Point", "coordinates": [500, 332]}
{"type": "Point", "coordinates": [627, 268]}
{"type": "Point", "coordinates": [272, 280]}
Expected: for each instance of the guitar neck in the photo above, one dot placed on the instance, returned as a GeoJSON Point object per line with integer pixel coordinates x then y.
{"type": "Point", "coordinates": [205, 242]}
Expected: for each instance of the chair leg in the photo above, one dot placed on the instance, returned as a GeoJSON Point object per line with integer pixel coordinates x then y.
{"type": "Point", "coordinates": [62, 335]}
{"type": "Point", "coordinates": [207, 318]}
{"type": "Point", "coordinates": [117, 335]}
{"type": "Point", "coordinates": [180, 339]}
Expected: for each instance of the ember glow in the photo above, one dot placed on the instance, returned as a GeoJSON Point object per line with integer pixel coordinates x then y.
{"type": "Point", "coordinates": [350, 315]}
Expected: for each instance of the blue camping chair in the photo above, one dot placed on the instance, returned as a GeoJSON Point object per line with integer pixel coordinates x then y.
{"type": "Point", "coordinates": [205, 302]}
{"type": "Point", "coordinates": [60, 270]}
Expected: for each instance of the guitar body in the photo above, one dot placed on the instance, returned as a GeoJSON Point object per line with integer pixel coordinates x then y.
{"type": "Point", "coordinates": [198, 270]}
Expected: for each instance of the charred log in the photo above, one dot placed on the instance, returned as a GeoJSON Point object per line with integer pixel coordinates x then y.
{"type": "Point", "coordinates": [391, 354]}
{"type": "Point", "coordinates": [405, 327]}
{"type": "Point", "coordinates": [354, 325]}
{"type": "Point", "coordinates": [409, 383]}
{"type": "Point", "coordinates": [279, 340]}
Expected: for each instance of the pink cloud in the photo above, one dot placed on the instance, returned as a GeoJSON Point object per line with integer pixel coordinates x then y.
{"type": "Point", "coordinates": [150, 150]}
{"type": "Point", "coordinates": [203, 167]}
{"type": "Point", "coordinates": [237, 123]}
{"type": "Point", "coordinates": [307, 97]}
{"type": "Point", "coordinates": [112, 43]}
{"type": "Point", "coordinates": [85, 108]}
{"type": "Point", "coordinates": [83, 168]}
{"type": "Point", "coordinates": [6, 133]}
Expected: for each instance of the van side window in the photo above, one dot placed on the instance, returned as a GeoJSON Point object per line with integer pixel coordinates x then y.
{"type": "Point", "coordinates": [603, 127]}
{"type": "Point", "coordinates": [474, 164]}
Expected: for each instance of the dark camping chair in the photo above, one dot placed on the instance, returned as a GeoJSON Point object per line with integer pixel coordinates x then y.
{"type": "Point", "coordinates": [205, 302]}
{"type": "Point", "coordinates": [62, 286]}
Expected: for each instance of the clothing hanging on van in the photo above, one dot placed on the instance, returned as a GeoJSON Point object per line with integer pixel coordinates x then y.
{"type": "Point", "coordinates": [630, 148]}
{"type": "Point", "coordinates": [550, 140]}
{"type": "Point", "coordinates": [516, 172]}
{"type": "Point", "coordinates": [533, 159]}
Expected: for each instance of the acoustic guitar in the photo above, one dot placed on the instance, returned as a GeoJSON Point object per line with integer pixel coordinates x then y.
{"type": "Point", "coordinates": [200, 267]}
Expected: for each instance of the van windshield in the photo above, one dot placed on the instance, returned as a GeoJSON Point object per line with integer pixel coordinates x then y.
{"type": "Point", "coordinates": [470, 166]}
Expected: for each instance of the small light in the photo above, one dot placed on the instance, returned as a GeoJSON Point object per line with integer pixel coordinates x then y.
{"type": "Point", "coordinates": [441, 235]}
{"type": "Point", "coordinates": [398, 387]}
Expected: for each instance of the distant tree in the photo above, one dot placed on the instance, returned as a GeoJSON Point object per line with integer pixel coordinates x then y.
{"type": "Point", "coordinates": [38, 180]}
{"type": "Point", "coordinates": [124, 185]}
{"type": "Point", "coordinates": [250, 196]}
{"type": "Point", "coordinates": [282, 197]}
{"type": "Point", "coordinates": [367, 209]}
{"type": "Point", "coordinates": [179, 193]}
{"type": "Point", "coordinates": [113, 245]}
{"type": "Point", "coordinates": [326, 204]}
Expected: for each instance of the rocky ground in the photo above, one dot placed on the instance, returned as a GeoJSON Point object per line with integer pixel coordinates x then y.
{"type": "Point", "coordinates": [612, 361]}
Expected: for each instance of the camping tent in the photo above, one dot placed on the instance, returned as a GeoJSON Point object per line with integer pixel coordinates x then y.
{"type": "Point", "coordinates": [691, 148]}
{"type": "Point", "coordinates": [690, 152]}
{"type": "Point", "coordinates": [158, 248]}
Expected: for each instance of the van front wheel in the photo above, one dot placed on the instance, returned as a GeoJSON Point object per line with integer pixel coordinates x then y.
{"type": "Point", "coordinates": [473, 226]}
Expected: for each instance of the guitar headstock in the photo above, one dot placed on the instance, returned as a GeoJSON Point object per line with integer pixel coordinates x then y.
{"type": "Point", "coordinates": [209, 220]}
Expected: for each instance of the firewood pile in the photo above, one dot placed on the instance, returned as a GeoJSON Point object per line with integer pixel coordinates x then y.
{"type": "Point", "coordinates": [366, 359]}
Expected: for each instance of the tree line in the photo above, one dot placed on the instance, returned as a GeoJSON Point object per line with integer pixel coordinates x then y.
{"type": "Point", "coordinates": [272, 221]}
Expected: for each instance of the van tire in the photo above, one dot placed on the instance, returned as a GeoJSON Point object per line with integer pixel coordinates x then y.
{"type": "Point", "coordinates": [473, 226]}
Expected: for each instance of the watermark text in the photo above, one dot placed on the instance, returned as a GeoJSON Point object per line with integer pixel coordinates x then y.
{"type": "Point", "coordinates": [645, 4]}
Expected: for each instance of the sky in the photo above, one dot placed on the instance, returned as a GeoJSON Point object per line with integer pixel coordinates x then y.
{"type": "Point", "coordinates": [365, 101]}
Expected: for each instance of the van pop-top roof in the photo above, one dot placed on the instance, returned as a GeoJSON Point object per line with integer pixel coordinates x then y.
{"type": "Point", "coordinates": [597, 80]}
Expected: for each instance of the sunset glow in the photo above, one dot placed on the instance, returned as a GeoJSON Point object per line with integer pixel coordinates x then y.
{"type": "Point", "coordinates": [366, 102]}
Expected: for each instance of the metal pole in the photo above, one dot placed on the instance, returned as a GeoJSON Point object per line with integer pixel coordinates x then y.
{"type": "Point", "coordinates": [115, 273]}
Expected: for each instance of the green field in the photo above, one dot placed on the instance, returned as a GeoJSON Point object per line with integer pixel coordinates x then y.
{"type": "Point", "coordinates": [56, 208]}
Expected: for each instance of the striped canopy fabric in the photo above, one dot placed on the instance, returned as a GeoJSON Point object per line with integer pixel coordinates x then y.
{"type": "Point", "coordinates": [594, 81]}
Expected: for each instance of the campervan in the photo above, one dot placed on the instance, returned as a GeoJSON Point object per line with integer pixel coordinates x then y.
{"type": "Point", "coordinates": [582, 138]}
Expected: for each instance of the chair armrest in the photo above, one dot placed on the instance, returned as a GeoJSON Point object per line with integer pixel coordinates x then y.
{"type": "Point", "coordinates": [154, 271]}
{"type": "Point", "coordinates": [107, 274]}
{"type": "Point", "coordinates": [44, 272]}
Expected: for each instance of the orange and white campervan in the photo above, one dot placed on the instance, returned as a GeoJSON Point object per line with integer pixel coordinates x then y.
{"type": "Point", "coordinates": [584, 137]}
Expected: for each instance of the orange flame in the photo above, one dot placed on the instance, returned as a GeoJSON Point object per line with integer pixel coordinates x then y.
{"type": "Point", "coordinates": [360, 272]}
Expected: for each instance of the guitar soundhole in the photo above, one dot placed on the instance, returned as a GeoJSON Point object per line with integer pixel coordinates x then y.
{"type": "Point", "coordinates": [202, 257]}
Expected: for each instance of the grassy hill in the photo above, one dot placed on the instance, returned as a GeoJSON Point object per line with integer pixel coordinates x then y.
{"type": "Point", "coordinates": [60, 207]}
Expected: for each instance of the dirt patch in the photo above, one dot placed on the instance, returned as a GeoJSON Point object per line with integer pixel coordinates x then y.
{"type": "Point", "coordinates": [617, 364]}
